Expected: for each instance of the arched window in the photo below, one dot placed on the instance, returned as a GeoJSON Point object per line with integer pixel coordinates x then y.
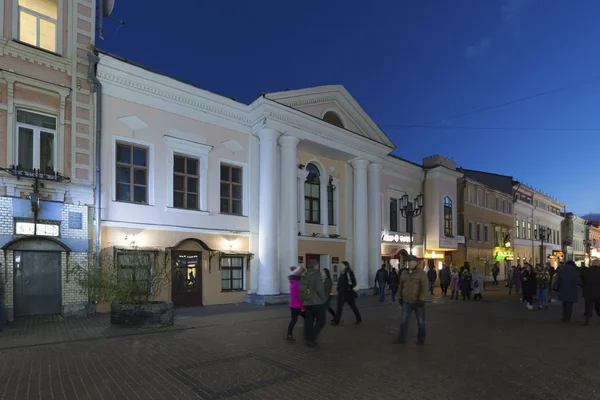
{"type": "Point", "coordinates": [447, 216]}
{"type": "Point", "coordinates": [333, 119]}
{"type": "Point", "coordinates": [312, 195]}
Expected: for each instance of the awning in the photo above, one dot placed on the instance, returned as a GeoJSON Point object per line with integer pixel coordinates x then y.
{"type": "Point", "coordinates": [394, 253]}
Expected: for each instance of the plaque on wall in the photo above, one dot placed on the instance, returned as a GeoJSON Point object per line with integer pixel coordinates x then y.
{"type": "Point", "coordinates": [335, 260]}
{"type": "Point", "coordinates": [300, 259]}
{"type": "Point", "coordinates": [75, 220]}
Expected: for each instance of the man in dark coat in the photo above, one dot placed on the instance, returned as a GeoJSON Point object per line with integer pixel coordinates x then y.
{"type": "Point", "coordinates": [569, 281]}
{"type": "Point", "coordinates": [381, 279]}
{"type": "Point", "coordinates": [591, 290]}
{"type": "Point", "coordinates": [431, 276]}
{"type": "Point", "coordinates": [445, 277]}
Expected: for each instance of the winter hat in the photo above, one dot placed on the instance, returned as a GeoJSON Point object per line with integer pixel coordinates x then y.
{"type": "Point", "coordinates": [312, 263]}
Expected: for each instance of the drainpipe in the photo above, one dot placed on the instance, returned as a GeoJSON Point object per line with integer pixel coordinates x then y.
{"type": "Point", "coordinates": [93, 65]}
{"type": "Point", "coordinates": [424, 213]}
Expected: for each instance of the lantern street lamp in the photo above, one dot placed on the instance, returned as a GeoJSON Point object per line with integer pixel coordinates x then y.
{"type": "Point", "coordinates": [543, 235]}
{"type": "Point", "coordinates": [409, 211]}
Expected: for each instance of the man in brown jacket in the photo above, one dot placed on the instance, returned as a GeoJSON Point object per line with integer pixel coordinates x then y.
{"type": "Point", "coordinates": [413, 290]}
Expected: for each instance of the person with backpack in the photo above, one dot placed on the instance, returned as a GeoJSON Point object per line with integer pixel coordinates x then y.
{"type": "Point", "coordinates": [346, 294]}
{"type": "Point", "coordinates": [381, 279]}
{"type": "Point", "coordinates": [431, 277]}
{"type": "Point", "coordinates": [413, 290]}
{"type": "Point", "coordinates": [542, 280]}
{"type": "Point", "coordinates": [312, 294]}
{"type": "Point", "coordinates": [477, 284]}
{"type": "Point", "coordinates": [466, 282]}
{"type": "Point", "coordinates": [296, 308]}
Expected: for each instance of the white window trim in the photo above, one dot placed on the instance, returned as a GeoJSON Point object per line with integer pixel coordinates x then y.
{"type": "Point", "coordinates": [470, 230]}
{"type": "Point", "coordinates": [486, 238]}
{"type": "Point", "coordinates": [59, 24]}
{"type": "Point", "coordinates": [36, 138]}
{"type": "Point", "coordinates": [397, 194]}
{"type": "Point", "coordinates": [470, 194]}
{"type": "Point", "coordinates": [151, 185]}
{"type": "Point", "coordinates": [478, 232]}
{"type": "Point", "coordinates": [244, 272]}
{"type": "Point", "coordinates": [190, 149]}
{"type": "Point", "coordinates": [324, 181]}
{"type": "Point", "coordinates": [245, 191]}
{"type": "Point", "coordinates": [339, 114]}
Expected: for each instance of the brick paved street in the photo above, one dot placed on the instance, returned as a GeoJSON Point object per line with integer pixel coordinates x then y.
{"type": "Point", "coordinates": [490, 350]}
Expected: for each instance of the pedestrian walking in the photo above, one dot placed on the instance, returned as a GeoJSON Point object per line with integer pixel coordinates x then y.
{"type": "Point", "coordinates": [431, 277]}
{"type": "Point", "coordinates": [381, 279]}
{"type": "Point", "coordinates": [477, 283]}
{"type": "Point", "coordinates": [528, 284]}
{"type": "Point", "coordinates": [413, 289]}
{"type": "Point", "coordinates": [591, 290]}
{"type": "Point", "coordinates": [445, 277]}
{"type": "Point", "coordinates": [394, 282]}
{"type": "Point", "coordinates": [568, 284]}
{"type": "Point", "coordinates": [466, 282]}
{"type": "Point", "coordinates": [454, 283]}
{"type": "Point", "coordinates": [542, 280]}
{"type": "Point", "coordinates": [312, 294]}
{"type": "Point", "coordinates": [296, 308]}
{"type": "Point", "coordinates": [328, 285]}
{"type": "Point", "coordinates": [495, 272]}
{"type": "Point", "coordinates": [346, 294]}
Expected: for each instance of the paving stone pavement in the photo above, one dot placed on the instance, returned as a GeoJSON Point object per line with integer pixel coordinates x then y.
{"type": "Point", "coordinates": [495, 349]}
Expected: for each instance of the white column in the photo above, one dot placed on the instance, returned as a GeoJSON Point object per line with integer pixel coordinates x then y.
{"type": "Point", "coordinates": [288, 244]}
{"type": "Point", "coordinates": [268, 274]}
{"type": "Point", "coordinates": [302, 174]}
{"type": "Point", "coordinates": [374, 199]}
{"type": "Point", "coordinates": [361, 231]}
{"type": "Point", "coordinates": [336, 204]}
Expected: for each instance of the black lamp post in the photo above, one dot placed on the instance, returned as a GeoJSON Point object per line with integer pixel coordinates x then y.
{"type": "Point", "coordinates": [409, 211]}
{"type": "Point", "coordinates": [543, 235]}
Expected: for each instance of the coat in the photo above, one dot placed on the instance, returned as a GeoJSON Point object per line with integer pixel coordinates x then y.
{"type": "Point", "coordinates": [591, 283]}
{"type": "Point", "coordinates": [394, 279]}
{"type": "Point", "coordinates": [445, 276]}
{"type": "Point", "coordinates": [455, 282]}
{"type": "Point", "coordinates": [432, 275]}
{"type": "Point", "coordinates": [346, 285]}
{"type": "Point", "coordinates": [569, 281]}
{"type": "Point", "coordinates": [414, 286]}
{"type": "Point", "coordinates": [294, 279]}
{"type": "Point", "coordinates": [315, 284]}
{"type": "Point", "coordinates": [477, 282]}
{"type": "Point", "coordinates": [528, 283]}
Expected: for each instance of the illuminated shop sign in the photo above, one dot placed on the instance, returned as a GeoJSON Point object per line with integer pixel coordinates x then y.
{"type": "Point", "coordinates": [433, 255]}
{"type": "Point", "coordinates": [501, 254]}
{"type": "Point", "coordinates": [395, 238]}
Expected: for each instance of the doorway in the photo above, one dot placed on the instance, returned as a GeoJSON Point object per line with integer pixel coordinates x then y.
{"type": "Point", "coordinates": [37, 283]}
{"type": "Point", "coordinates": [187, 278]}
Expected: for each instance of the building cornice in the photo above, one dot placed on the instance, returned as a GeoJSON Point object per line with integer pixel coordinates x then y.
{"type": "Point", "coordinates": [35, 56]}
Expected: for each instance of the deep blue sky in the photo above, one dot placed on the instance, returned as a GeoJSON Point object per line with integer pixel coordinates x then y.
{"type": "Point", "coordinates": [408, 62]}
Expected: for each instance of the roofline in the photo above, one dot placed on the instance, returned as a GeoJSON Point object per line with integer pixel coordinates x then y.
{"type": "Point", "coordinates": [486, 172]}
{"type": "Point", "coordinates": [466, 178]}
{"type": "Point", "coordinates": [405, 160]}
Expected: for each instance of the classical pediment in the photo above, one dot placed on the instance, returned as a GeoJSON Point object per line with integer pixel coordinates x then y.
{"type": "Point", "coordinates": [329, 102]}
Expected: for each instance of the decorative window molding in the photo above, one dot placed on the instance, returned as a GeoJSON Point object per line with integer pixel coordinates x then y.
{"type": "Point", "coordinates": [59, 22]}
{"type": "Point", "coordinates": [245, 184]}
{"type": "Point", "coordinates": [174, 145]}
{"type": "Point", "coordinates": [151, 166]}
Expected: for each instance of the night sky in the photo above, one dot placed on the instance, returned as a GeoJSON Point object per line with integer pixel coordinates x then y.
{"type": "Point", "coordinates": [436, 75]}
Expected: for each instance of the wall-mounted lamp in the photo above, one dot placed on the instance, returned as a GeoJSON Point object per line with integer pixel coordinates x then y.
{"type": "Point", "coordinates": [331, 182]}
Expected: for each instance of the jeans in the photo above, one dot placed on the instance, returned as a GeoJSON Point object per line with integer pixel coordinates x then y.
{"type": "Point", "coordinates": [351, 300]}
{"type": "Point", "coordinates": [295, 313]}
{"type": "Point", "coordinates": [381, 286]}
{"type": "Point", "coordinates": [431, 286]}
{"type": "Point", "coordinates": [394, 290]}
{"type": "Point", "coordinates": [589, 307]}
{"type": "Point", "coordinates": [314, 321]}
{"type": "Point", "coordinates": [407, 310]}
{"type": "Point", "coordinates": [542, 295]}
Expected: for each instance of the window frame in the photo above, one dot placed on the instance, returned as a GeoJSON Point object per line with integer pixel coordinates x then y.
{"type": "Point", "coordinates": [470, 194]}
{"type": "Point", "coordinates": [518, 228]}
{"type": "Point", "coordinates": [308, 214]}
{"type": "Point", "coordinates": [331, 220]}
{"type": "Point", "coordinates": [231, 269]}
{"type": "Point", "coordinates": [470, 230]}
{"type": "Point", "coordinates": [132, 167]}
{"type": "Point", "coordinates": [231, 185]}
{"type": "Point", "coordinates": [486, 233]}
{"type": "Point", "coordinates": [58, 26]}
{"type": "Point", "coordinates": [478, 232]}
{"type": "Point", "coordinates": [185, 176]}
{"type": "Point", "coordinates": [153, 259]}
{"type": "Point", "coordinates": [393, 219]}
{"type": "Point", "coordinates": [480, 197]}
{"type": "Point", "coordinates": [448, 218]}
{"type": "Point", "coordinates": [37, 130]}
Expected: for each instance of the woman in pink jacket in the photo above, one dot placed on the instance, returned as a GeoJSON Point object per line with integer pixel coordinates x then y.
{"type": "Point", "coordinates": [296, 307]}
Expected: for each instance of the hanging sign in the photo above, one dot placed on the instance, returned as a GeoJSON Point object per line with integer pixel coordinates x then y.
{"type": "Point", "coordinates": [395, 238]}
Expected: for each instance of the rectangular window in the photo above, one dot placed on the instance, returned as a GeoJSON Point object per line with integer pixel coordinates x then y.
{"type": "Point", "coordinates": [496, 236]}
{"type": "Point", "coordinates": [132, 173]}
{"type": "Point", "coordinates": [528, 231]}
{"type": "Point", "coordinates": [509, 207]}
{"type": "Point", "coordinates": [448, 217]}
{"type": "Point", "coordinates": [136, 266]}
{"type": "Point", "coordinates": [497, 203]}
{"type": "Point", "coordinates": [231, 189]}
{"type": "Point", "coordinates": [37, 23]}
{"type": "Point", "coordinates": [232, 273]}
{"type": "Point", "coordinates": [186, 179]}
{"type": "Point", "coordinates": [535, 231]}
{"type": "Point", "coordinates": [36, 141]}
{"type": "Point", "coordinates": [469, 194]}
{"type": "Point", "coordinates": [330, 209]}
{"type": "Point", "coordinates": [394, 215]}
{"type": "Point", "coordinates": [479, 197]}
{"type": "Point", "coordinates": [486, 233]}
{"type": "Point", "coordinates": [488, 200]}
{"type": "Point", "coordinates": [517, 229]}
{"type": "Point", "coordinates": [479, 232]}
{"type": "Point", "coordinates": [470, 230]}
{"type": "Point", "coordinates": [504, 206]}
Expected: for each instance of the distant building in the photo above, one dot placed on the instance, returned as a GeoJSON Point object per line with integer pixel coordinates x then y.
{"type": "Point", "coordinates": [593, 240]}
{"type": "Point", "coordinates": [574, 234]}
